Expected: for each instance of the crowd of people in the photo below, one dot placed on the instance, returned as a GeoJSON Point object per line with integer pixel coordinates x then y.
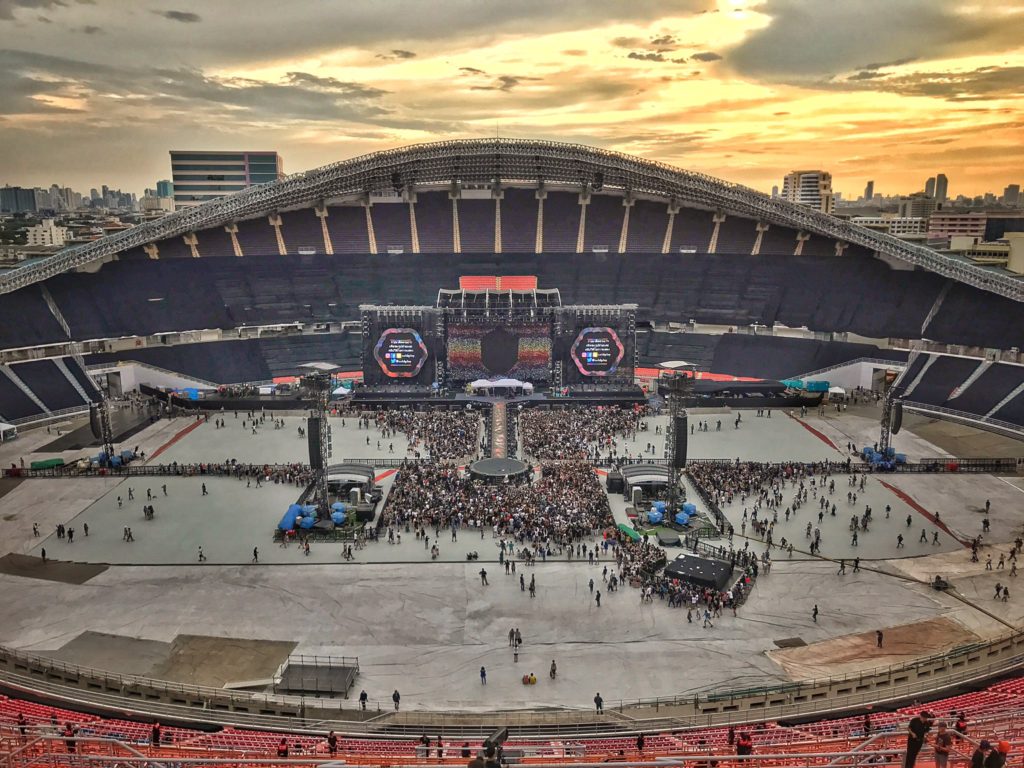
{"type": "Point", "coordinates": [563, 506]}
{"type": "Point", "coordinates": [435, 434]}
{"type": "Point", "coordinates": [579, 433]}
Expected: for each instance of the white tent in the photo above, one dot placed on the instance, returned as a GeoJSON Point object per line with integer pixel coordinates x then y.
{"type": "Point", "coordinates": [837, 391]}
{"type": "Point", "coordinates": [7, 432]}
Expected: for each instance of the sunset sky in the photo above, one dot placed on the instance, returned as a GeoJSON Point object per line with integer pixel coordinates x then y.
{"type": "Point", "coordinates": [98, 91]}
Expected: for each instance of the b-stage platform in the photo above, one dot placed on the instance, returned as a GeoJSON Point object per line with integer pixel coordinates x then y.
{"type": "Point", "coordinates": [700, 571]}
{"type": "Point", "coordinates": [499, 470]}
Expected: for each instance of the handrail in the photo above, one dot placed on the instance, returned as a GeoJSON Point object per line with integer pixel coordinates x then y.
{"type": "Point", "coordinates": [837, 366]}
{"type": "Point", "coordinates": [952, 413]}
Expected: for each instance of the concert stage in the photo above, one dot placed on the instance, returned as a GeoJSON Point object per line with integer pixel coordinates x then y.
{"type": "Point", "coordinates": [700, 571]}
{"type": "Point", "coordinates": [385, 396]}
{"type": "Point", "coordinates": [124, 423]}
{"type": "Point", "coordinates": [499, 470]}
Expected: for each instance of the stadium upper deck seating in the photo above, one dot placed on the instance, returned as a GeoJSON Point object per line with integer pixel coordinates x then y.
{"type": "Point", "coordinates": [476, 225]}
{"type": "Point", "coordinates": [220, 362]}
{"type": "Point", "coordinates": [561, 222]}
{"type": "Point", "coordinates": [26, 320]}
{"type": "Point", "coordinates": [347, 227]}
{"type": "Point", "coordinates": [434, 222]}
{"type": "Point", "coordinates": [779, 357]}
{"type": "Point", "coordinates": [214, 242]}
{"type": "Point", "coordinates": [391, 226]}
{"type": "Point", "coordinates": [14, 403]}
{"type": "Point", "coordinates": [778, 241]}
{"type": "Point", "coordinates": [691, 230]}
{"type": "Point", "coordinates": [302, 231]}
{"type": "Point", "coordinates": [941, 378]}
{"type": "Point", "coordinates": [647, 222]}
{"type": "Point", "coordinates": [736, 235]}
{"type": "Point", "coordinates": [604, 223]}
{"type": "Point", "coordinates": [519, 221]}
{"type": "Point", "coordinates": [257, 237]}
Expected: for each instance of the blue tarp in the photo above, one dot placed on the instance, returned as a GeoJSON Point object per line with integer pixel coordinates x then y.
{"type": "Point", "coordinates": [660, 506]}
{"type": "Point", "coordinates": [339, 506]}
{"type": "Point", "coordinates": [817, 386]}
{"type": "Point", "coordinates": [682, 518]}
{"type": "Point", "coordinates": [288, 521]}
{"type": "Point", "coordinates": [655, 517]}
{"type": "Point", "coordinates": [690, 508]}
{"type": "Point", "coordinates": [338, 517]}
{"type": "Point", "coordinates": [307, 522]}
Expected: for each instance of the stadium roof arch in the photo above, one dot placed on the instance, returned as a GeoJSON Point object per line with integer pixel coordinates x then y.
{"type": "Point", "coordinates": [510, 161]}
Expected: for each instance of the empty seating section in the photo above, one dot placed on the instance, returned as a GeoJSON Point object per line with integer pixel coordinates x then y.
{"type": "Point", "coordinates": [695, 348]}
{"type": "Point", "coordinates": [862, 296]}
{"type": "Point", "coordinates": [301, 231]}
{"type": "Point", "coordinates": [989, 389]}
{"type": "Point", "coordinates": [26, 320]}
{"type": "Point", "coordinates": [214, 242]}
{"type": "Point", "coordinates": [434, 222]}
{"type": "Point", "coordinates": [129, 298]}
{"type": "Point", "coordinates": [519, 221]}
{"type": "Point", "coordinates": [174, 248]}
{"type": "Point", "coordinates": [778, 241]}
{"type": "Point", "coordinates": [910, 373]}
{"type": "Point", "coordinates": [819, 246]}
{"type": "Point", "coordinates": [257, 237]}
{"type": "Point", "coordinates": [779, 357]}
{"type": "Point", "coordinates": [83, 378]}
{"type": "Point", "coordinates": [476, 225]}
{"type": "Point", "coordinates": [1013, 411]}
{"type": "Point", "coordinates": [943, 376]}
{"type": "Point", "coordinates": [647, 222]}
{"type": "Point", "coordinates": [691, 230]}
{"type": "Point", "coordinates": [14, 403]}
{"type": "Point", "coordinates": [219, 362]}
{"type": "Point", "coordinates": [391, 226]}
{"type": "Point", "coordinates": [133, 253]}
{"type": "Point", "coordinates": [283, 356]}
{"type": "Point", "coordinates": [561, 222]}
{"type": "Point", "coordinates": [736, 235]}
{"type": "Point", "coordinates": [974, 317]}
{"type": "Point", "coordinates": [49, 384]}
{"type": "Point", "coordinates": [347, 227]}
{"type": "Point", "coordinates": [604, 223]}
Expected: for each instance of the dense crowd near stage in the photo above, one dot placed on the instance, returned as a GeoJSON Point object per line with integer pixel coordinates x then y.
{"type": "Point", "coordinates": [434, 434]}
{"type": "Point", "coordinates": [579, 433]}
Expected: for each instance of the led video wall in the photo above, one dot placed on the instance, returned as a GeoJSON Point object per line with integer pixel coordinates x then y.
{"type": "Point", "coordinates": [493, 349]}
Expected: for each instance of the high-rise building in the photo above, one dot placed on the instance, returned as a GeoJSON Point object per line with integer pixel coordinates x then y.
{"type": "Point", "coordinates": [929, 187]}
{"type": "Point", "coordinates": [775, 190]}
{"type": "Point", "coordinates": [94, 195]}
{"type": "Point", "coordinates": [917, 205]}
{"type": "Point", "coordinates": [164, 188]}
{"type": "Point", "coordinates": [17, 199]}
{"type": "Point", "coordinates": [810, 188]}
{"type": "Point", "coordinates": [1011, 195]}
{"type": "Point", "coordinates": [941, 188]}
{"type": "Point", "coordinates": [200, 176]}
{"type": "Point", "coordinates": [869, 191]}
{"type": "Point", "coordinates": [46, 233]}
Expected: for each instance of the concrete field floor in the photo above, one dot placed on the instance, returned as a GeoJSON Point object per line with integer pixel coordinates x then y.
{"type": "Point", "coordinates": [426, 627]}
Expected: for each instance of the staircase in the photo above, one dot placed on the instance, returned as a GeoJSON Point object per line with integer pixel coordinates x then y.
{"type": "Point", "coordinates": [369, 230]}
{"type": "Point", "coordinates": [59, 362]}
{"type": "Point", "coordinates": [497, 225]}
{"type": "Point", "coordinates": [412, 227]}
{"type": "Point", "coordinates": [456, 234]}
{"type": "Point", "coordinates": [985, 365]}
{"type": "Point", "coordinates": [539, 247]}
{"type": "Point", "coordinates": [6, 369]}
{"type": "Point", "coordinates": [666, 244]}
{"type": "Point", "coordinates": [935, 306]}
{"type": "Point", "coordinates": [54, 309]}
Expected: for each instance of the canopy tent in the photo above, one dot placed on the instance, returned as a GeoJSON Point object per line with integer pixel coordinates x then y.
{"type": "Point", "coordinates": [505, 384]}
{"type": "Point", "coordinates": [837, 391]}
{"type": "Point", "coordinates": [7, 432]}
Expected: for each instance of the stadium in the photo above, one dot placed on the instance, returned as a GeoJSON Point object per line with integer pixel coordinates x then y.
{"type": "Point", "coordinates": [643, 387]}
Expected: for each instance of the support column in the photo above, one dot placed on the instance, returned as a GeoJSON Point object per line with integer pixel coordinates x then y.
{"type": "Point", "coordinates": [718, 218]}
{"type": "Point", "coordinates": [499, 195]}
{"type": "Point", "coordinates": [666, 244]}
{"type": "Point", "coordinates": [627, 203]}
{"type": "Point", "coordinates": [276, 223]}
{"type": "Point", "coordinates": [369, 227]}
{"type": "Point", "coordinates": [841, 247]}
{"type": "Point", "coordinates": [232, 229]}
{"type": "Point", "coordinates": [456, 234]}
{"type": "Point", "coordinates": [321, 212]}
{"type": "Point", "coordinates": [151, 250]}
{"type": "Point", "coordinates": [542, 195]}
{"type": "Point", "coordinates": [410, 196]}
{"type": "Point", "coordinates": [801, 238]}
{"type": "Point", "coordinates": [192, 242]}
{"type": "Point", "coordinates": [584, 202]}
{"type": "Point", "coordinates": [761, 227]}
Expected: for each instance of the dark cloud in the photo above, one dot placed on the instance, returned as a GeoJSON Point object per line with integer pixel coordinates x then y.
{"type": "Point", "coordinates": [651, 56]}
{"type": "Point", "coordinates": [396, 53]}
{"type": "Point", "coordinates": [8, 7]}
{"type": "Point", "coordinates": [628, 42]}
{"type": "Point", "coordinates": [665, 41]}
{"type": "Point", "coordinates": [865, 75]}
{"type": "Point", "coordinates": [186, 17]}
{"type": "Point", "coordinates": [977, 84]}
{"type": "Point", "coordinates": [808, 41]}
{"type": "Point", "coordinates": [472, 71]}
{"type": "Point", "coordinates": [91, 29]}
{"type": "Point", "coordinates": [333, 85]}
{"type": "Point", "coordinates": [886, 64]}
{"type": "Point", "coordinates": [706, 56]}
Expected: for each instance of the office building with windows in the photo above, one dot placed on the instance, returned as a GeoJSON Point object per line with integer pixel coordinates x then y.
{"type": "Point", "coordinates": [198, 177]}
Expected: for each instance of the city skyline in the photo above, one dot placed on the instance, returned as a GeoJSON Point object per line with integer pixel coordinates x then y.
{"type": "Point", "coordinates": [745, 90]}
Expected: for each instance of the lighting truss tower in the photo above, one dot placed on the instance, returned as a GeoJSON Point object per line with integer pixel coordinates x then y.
{"type": "Point", "coordinates": [885, 439]}
{"type": "Point", "coordinates": [676, 387]}
{"type": "Point", "coordinates": [318, 387]}
{"type": "Point", "coordinates": [106, 430]}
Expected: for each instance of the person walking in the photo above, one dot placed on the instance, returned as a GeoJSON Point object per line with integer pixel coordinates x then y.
{"type": "Point", "coordinates": [599, 703]}
{"type": "Point", "coordinates": [255, 554]}
{"type": "Point", "coordinates": [916, 730]}
{"type": "Point", "coordinates": [597, 598]}
{"type": "Point", "coordinates": [943, 745]}
{"type": "Point", "coordinates": [878, 638]}
{"type": "Point", "coordinates": [42, 554]}
{"type": "Point", "coordinates": [553, 672]}
{"type": "Point", "coordinates": [814, 613]}
{"type": "Point", "coordinates": [396, 697]}
{"type": "Point", "coordinates": [202, 557]}
{"type": "Point", "coordinates": [205, 493]}
{"type": "Point", "coordinates": [362, 700]}
{"type": "Point", "coordinates": [483, 577]}
{"type": "Point", "coordinates": [483, 676]}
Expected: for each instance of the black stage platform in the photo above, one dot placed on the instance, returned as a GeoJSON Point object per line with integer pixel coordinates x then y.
{"type": "Point", "coordinates": [700, 571]}
{"type": "Point", "coordinates": [384, 396]}
{"type": "Point", "coordinates": [499, 470]}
